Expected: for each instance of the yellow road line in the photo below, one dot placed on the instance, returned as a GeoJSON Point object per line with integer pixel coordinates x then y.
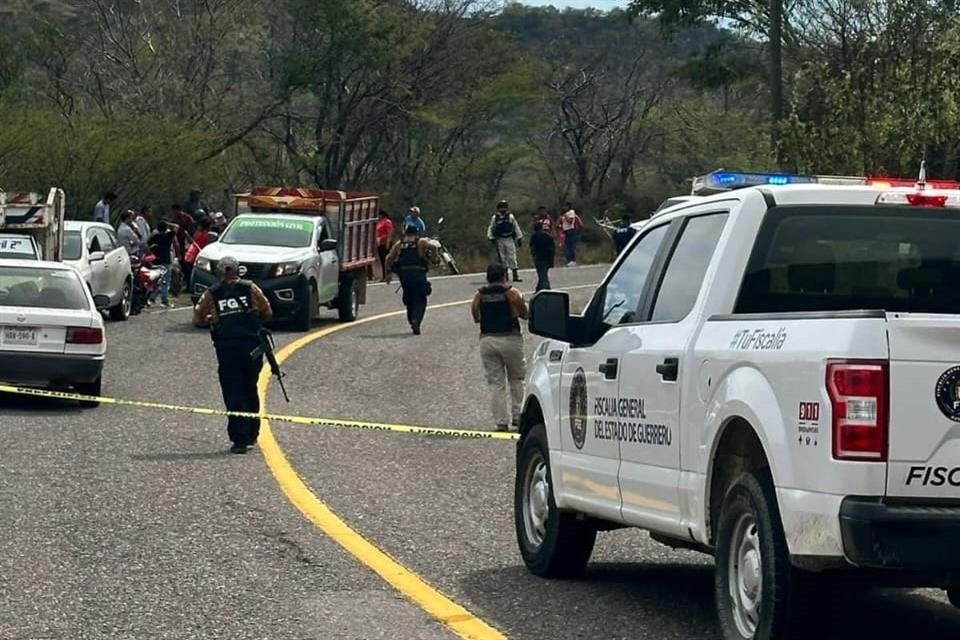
{"type": "Point", "coordinates": [463, 623]}
{"type": "Point", "coordinates": [460, 621]}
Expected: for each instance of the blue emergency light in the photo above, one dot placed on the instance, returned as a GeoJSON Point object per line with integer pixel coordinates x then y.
{"type": "Point", "coordinates": [724, 180]}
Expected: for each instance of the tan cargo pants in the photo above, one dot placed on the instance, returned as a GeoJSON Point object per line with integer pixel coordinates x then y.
{"type": "Point", "coordinates": [504, 364]}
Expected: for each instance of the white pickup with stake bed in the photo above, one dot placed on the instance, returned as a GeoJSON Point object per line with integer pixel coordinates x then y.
{"type": "Point", "coordinates": [770, 375]}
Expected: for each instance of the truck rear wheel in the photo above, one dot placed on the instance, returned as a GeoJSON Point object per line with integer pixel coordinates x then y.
{"type": "Point", "coordinates": [759, 594]}
{"type": "Point", "coordinates": [348, 300]}
{"type": "Point", "coordinates": [553, 544]}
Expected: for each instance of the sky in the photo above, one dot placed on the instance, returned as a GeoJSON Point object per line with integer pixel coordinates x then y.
{"type": "Point", "coordinates": [603, 5]}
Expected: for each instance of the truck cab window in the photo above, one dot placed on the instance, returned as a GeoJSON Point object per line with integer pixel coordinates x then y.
{"type": "Point", "coordinates": [624, 291]}
{"type": "Point", "coordinates": [687, 267]}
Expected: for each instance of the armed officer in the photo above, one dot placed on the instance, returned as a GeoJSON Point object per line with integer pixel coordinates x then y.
{"type": "Point", "coordinates": [410, 259]}
{"type": "Point", "coordinates": [236, 310]}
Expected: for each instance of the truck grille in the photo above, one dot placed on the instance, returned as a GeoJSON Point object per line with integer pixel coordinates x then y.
{"type": "Point", "coordinates": [253, 270]}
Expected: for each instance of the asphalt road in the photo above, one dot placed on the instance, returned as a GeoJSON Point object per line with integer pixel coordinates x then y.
{"type": "Point", "coordinates": [121, 522]}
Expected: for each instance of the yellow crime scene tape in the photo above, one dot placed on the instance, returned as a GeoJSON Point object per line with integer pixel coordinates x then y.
{"type": "Point", "coordinates": [469, 434]}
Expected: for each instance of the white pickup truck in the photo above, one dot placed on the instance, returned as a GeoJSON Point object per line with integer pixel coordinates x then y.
{"type": "Point", "coordinates": [769, 375]}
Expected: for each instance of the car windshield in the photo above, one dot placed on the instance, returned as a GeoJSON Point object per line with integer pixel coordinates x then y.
{"type": "Point", "coordinates": [72, 246]}
{"type": "Point", "coordinates": [841, 258]}
{"type": "Point", "coordinates": [271, 232]}
{"type": "Point", "coordinates": [41, 288]}
{"type": "Point", "coordinates": [17, 248]}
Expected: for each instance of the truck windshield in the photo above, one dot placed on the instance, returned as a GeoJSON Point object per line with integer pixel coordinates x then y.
{"type": "Point", "coordinates": [845, 258]}
{"type": "Point", "coordinates": [271, 232]}
{"type": "Point", "coordinates": [72, 246]}
{"type": "Point", "coordinates": [17, 248]}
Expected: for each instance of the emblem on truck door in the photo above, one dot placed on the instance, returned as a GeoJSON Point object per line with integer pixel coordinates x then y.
{"type": "Point", "coordinates": [947, 393]}
{"type": "Point", "coordinates": [578, 408]}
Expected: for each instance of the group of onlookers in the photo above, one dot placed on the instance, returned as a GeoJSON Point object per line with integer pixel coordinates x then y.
{"type": "Point", "coordinates": [175, 241]}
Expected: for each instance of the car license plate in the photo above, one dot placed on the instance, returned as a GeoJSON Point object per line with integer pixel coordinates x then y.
{"type": "Point", "coordinates": [24, 336]}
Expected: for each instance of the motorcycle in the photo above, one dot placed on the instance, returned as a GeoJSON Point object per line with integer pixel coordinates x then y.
{"type": "Point", "coordinates": [445, 256]}
{"type": "Point", "coordinates": [147, 277]}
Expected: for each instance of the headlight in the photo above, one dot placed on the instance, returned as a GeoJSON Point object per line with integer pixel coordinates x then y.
{"type": "Point", "coordinates": [286, 269]}
{"type": "Point", "coordinates": [204, 264]}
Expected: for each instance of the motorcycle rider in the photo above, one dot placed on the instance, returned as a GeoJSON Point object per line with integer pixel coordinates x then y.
{"type": "Point", "coordinates": [410, 259]}
{"type": "Point", "coordinates": [236, 309]}
{"type": "Point", "coordinates": [413, 217]}
{"type": "Point", "coordinates": [505, 233]}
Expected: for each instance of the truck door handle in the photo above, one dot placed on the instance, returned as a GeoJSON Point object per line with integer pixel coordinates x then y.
{"type": "Point", "coordinates": [669, 368]}
{"type": "Point", "coordinates": [609, 369]}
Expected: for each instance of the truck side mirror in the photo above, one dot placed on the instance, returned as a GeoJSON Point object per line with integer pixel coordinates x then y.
{"type": "Point", "coordinates": [328, 244]}
{"type": "Point", "coordinates": [95, 256]}
{"type": "Point", "coordinates": [101, 302]}
{"type": "Point", "coordinates": [550, 315]}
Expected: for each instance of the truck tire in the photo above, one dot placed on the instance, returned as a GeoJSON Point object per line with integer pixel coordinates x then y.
{"type": "Point", "coordinates": [348, 300]}
{"type": "Point", "coordinates": [953, 595]}
{"type": "Point", "coordinates": [303, 320]}
{"type": "Point", "coordinates": [759, 594]}
{"type": "Point", "coordinates": [90, 389]}
{"type": "Point", "coordinates": [121, 311]}
{"type": "Point", "coordinates": [553, 544]}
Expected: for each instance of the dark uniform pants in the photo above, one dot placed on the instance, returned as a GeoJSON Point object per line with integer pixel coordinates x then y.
{"type": "Point", "coordinates": [416, 288]}
{"type": "Point", "coordinates": [238, 374]}
{"type": "Point", "coordinates": [543, 274]}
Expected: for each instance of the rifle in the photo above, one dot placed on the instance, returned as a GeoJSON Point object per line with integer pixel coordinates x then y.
{"type": "Point", "coordinates": [266, 349]}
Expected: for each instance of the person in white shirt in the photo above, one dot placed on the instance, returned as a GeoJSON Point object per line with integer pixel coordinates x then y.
{"type": "Point", "coordinates": [570, 224]}
{"type": "Point", "coordinates": [101, 210]}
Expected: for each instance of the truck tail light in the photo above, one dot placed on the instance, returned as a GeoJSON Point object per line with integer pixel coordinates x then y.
{"type": "Point", "coordinates": [859, 397]}
{"type": "Point", "coordinates": [84, 335]}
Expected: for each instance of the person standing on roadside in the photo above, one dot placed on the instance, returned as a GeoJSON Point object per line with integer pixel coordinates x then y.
{"type": "Point", "coordinates": [128, 234]}
{"type": "Point", "coordinates": [504, 231]}
{"type": "Point", "coordinates": [384, 236]}
{"type": "Point", "coordinates": [163, 244]}
{"type": "Point", "coordinates": [543, 250]}
{"type": "Point", "coordinates": [236, 309]}
{"type": "Point", "coordinates": [201, 238]}
{"type": "Point", "coordinates": [497, 308]}
{"type": "Point", "coordinates": [101, 210]}
{"type": "Point", "coordinates": [410, 259]}
{"type": "Point", "coordinates": [142, 224]}
{"type": "Point", "coordinates": [623, 233]}
{"type": "Point", "coordinates": [414, 218]}
{"type": "Point", "coordinates": [543, 217]}
{"type": "Point", "coordinates": [570, 225]}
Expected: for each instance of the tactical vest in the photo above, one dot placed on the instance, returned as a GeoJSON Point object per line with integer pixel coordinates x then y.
{"type": "Point", "coordinates": [410, 258]}
{"type": "Point", "coordinates": [496, 314]}
{"type": "Point", "coordinates": [621, 236]}
{"type": "Point", "coordinates": [503, 227]}
{"type": "Point", "coordinates": [237, 318]}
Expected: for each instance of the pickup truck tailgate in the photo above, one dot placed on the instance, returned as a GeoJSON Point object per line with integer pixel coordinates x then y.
{"type": "Point", "coordinates": [924, 438]}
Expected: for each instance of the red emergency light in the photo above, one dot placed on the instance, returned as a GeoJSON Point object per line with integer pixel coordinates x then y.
{"type": "Point", "coordinates": [891, 183]}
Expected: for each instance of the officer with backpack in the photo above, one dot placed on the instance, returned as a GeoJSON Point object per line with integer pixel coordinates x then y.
{"type": "Point", "coordinates": [505, 233]}
{"type": "Point", "coordinates": [497, 308]}
{"type": "Point", "coordinates": [236, 309]}
{"type": "Point", "coordinates": [410, 259]}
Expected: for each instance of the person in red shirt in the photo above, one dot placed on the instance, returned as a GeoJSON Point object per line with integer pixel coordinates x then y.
{"type": "Point", "coordinates": [201, 238]}
{"type": "Point", "coordinates": [384, 236]}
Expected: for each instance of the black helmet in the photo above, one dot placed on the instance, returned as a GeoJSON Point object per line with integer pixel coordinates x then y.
{"type": "Point", "coordinates": [502, 204]}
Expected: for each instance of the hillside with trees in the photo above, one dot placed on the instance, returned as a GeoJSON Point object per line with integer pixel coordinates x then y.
{"type": "Point", "coordinates": [453, 104]}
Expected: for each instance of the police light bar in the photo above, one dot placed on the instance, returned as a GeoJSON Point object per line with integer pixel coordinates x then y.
{"type": "Point", "coordinates": [721, 180]}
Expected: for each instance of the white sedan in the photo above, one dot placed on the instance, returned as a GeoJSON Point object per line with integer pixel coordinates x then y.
{"type": "Point", "coordinates": [51, 329]}
{"type": "Point", "coordinates": [94, 249]}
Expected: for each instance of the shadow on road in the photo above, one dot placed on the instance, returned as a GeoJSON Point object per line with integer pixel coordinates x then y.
{"type": "Point", "coordinates": [676, 601]}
